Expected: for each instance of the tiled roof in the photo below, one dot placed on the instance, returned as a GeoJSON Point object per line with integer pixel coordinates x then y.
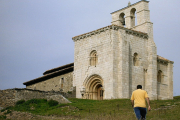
{"type": "Point", "coordinates": [163, 59]}
{"type": "Point", "coordinates": [54, 72]}
{"type": "Point", "coordinates": [58, 68]}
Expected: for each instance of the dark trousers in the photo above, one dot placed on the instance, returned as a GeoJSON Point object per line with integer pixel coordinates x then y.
{"type": "Point", "coordinates": [140, 113]}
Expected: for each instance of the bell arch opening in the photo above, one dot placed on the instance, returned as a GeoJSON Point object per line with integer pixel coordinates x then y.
{"type": "Point", "coordinates": [122, 19]}
{"type": "Point", "coordinates": [133, 17]}
{"type": "Point", "coordinates": [94, 88]}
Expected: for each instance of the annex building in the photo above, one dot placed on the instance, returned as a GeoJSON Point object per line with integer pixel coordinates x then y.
{"type": "Point", "coordinates": [111, 61]}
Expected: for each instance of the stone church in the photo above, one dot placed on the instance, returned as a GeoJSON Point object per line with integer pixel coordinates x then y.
{"type": "Point", "coordinates": [111, 61]}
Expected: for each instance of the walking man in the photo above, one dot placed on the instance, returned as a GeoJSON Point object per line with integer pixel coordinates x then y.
{"type": "Point", "coordinates": [139, 103]}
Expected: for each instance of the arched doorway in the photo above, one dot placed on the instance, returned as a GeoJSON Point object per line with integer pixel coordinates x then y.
{"type": "Point", "coordinates": [94, 88]}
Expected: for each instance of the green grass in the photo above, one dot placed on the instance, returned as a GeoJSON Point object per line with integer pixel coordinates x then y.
{"type": "Point", "coordinates": [100, 110]}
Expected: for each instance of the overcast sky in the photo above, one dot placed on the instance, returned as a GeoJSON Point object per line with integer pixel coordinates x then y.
{"type": "Point", "coordinates": [36, 35]}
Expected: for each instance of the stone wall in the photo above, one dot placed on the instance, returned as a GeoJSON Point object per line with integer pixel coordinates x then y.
{"type": "Point", "coordinates": [162, 91]}
{"type": "Point", "coordinates": [10, 96]}
{"type": "Point", "coordinates": [115, 51]}
{"type": "Point", "coordinates": [101, 43]}
{"type": "Point", "coordinates": [165, 87]}
{"type": "Point", "coordinates": [62, 83]}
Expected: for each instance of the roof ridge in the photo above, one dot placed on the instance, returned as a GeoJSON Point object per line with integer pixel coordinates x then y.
{"type": "Point", "coordinates": [46, 75]}
{"type": "Point", "coordinates": [60, 67]}
{"type": "Point", "coordinates": [58, 71]}
{"type": "Point", "coordinates": [164, 59]}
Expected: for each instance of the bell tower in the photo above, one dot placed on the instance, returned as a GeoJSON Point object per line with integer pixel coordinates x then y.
{"type": "Point", "coordinates": [137, 17]}
{"type": "Point", "coordinates": [138, 12]}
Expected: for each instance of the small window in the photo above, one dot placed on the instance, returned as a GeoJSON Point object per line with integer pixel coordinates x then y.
{"type": "Point", "coordinates": [93, 58]}
{"type": "Point", "coordinates": [62, 81]}
{"type": "Point", "coordinates": [136, 59]}
{"type": "Point", "coordinates": [160, 76]}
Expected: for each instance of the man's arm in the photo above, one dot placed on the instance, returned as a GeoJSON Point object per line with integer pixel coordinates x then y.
{"type": "Point", "coordinates": [132, 103]}
{"type": "Point", "coordinates": [148, 102]}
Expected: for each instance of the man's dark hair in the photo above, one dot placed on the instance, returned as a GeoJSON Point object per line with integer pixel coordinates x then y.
{"type": "Point", "coordinates": [139, 86]}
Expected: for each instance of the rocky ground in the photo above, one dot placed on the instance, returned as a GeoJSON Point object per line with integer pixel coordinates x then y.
{"type": "Point", "coordinates": [14, 115]}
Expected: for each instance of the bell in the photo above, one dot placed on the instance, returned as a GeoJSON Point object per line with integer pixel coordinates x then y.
{"type": "Point", "coordinates": [123, 22]}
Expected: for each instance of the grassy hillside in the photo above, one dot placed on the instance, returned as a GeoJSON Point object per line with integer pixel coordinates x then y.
{"type": "Point", "coordinates": [100, 110]}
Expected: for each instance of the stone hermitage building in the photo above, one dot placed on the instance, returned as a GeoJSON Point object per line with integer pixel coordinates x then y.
{"type": "Point", "coordinates": [111, 61]}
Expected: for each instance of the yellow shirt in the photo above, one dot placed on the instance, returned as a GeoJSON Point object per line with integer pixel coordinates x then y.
{"type": "Point", "coordinates": [139, 98]}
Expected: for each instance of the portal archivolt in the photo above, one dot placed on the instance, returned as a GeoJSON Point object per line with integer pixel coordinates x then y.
{"type": "Point", "coordinates": [94, 88]}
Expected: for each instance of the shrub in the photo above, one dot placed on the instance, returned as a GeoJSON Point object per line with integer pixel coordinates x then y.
{"type": "Point", "coordinates": [8, 111]}
{"type": "Point", "coordinates": [35, 101]}
{"type": "Point", "coordinates": [52, 103]}
{"type": "Point", "coordinates": [3, 110]}
{"type": "Point", "coordinates": [177, 98]}
{"type": "Point", "coordinates": [69, 92]}
{"type": "Point", "coordinates": [2, 117]}
{"type": "Point", "coordinates": [20, 102]}
{"type": "Point", "coordinates": [32, 101]}
{"type": "Point", "coordinates": [44, 100]}
{"type": "Point", "coordinates": [6, 108]}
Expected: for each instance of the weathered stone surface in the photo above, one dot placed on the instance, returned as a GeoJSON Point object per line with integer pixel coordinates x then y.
{"type": "Point", "coordinates": [10, 96]}
{"type": "Point", "coordinates": [1, 108]}
{"type": "Point", "coordinates": [60, 83]}
{"type": "Point", "coordinates": [126, 57]}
